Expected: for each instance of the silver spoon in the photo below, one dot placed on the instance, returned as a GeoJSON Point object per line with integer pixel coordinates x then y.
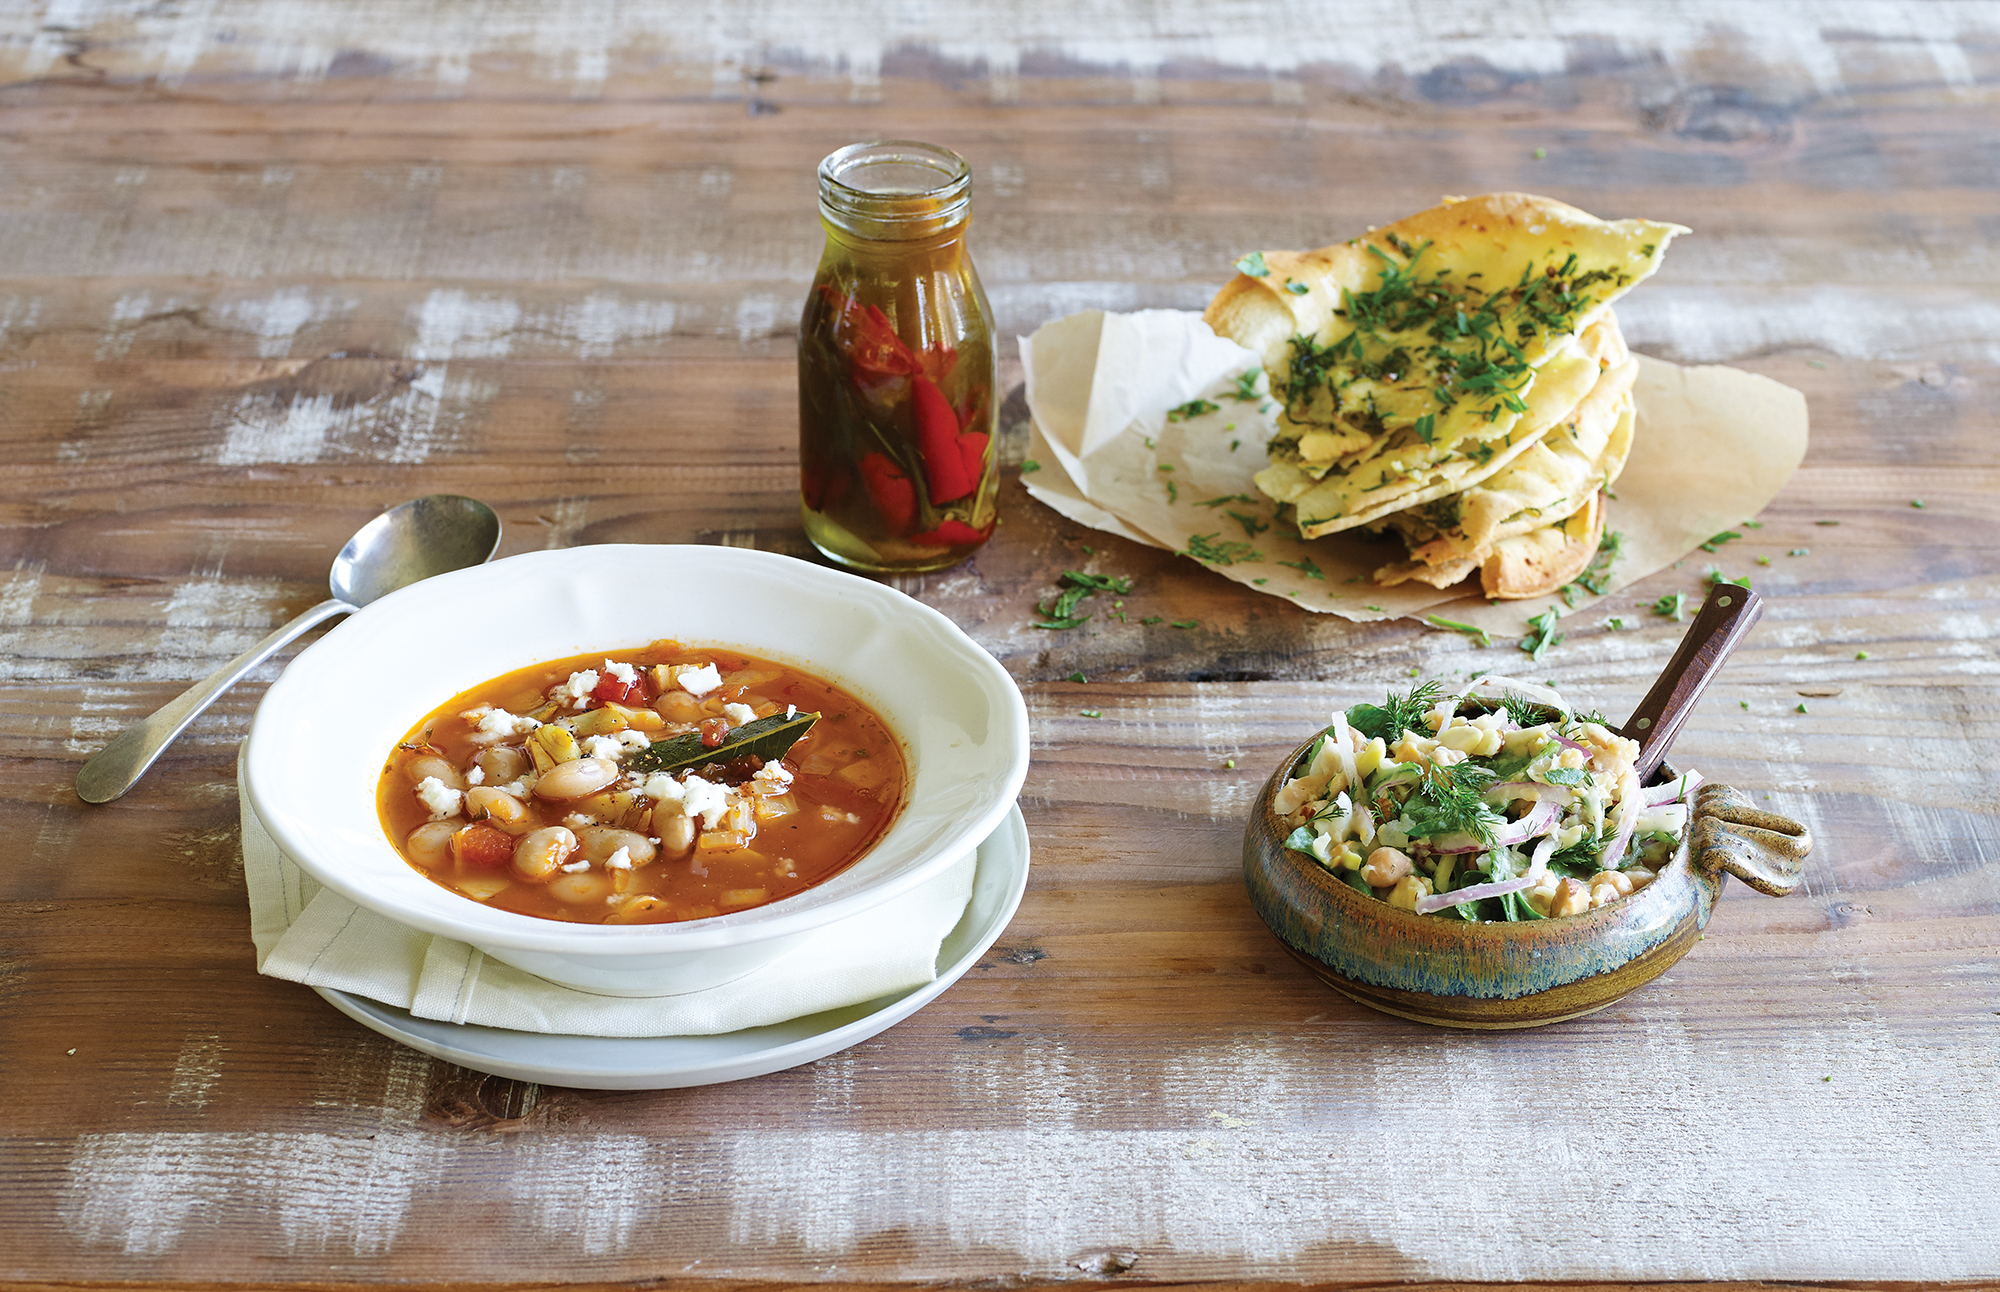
{"type": "Point", "coordinates": [426, 536]}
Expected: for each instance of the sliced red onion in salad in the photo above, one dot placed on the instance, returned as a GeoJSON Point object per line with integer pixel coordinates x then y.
{"type": "Point", "coordinates": [1472, 893]}
{"type": "Point", "coordinates": [1540, 820]}
{"type": "Point", "coordinates": [1679, 789]}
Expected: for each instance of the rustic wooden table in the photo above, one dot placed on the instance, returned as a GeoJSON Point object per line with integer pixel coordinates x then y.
{"type": "Point", "coordinates": [271, 267]}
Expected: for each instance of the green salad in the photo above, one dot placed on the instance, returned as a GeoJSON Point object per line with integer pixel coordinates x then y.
{"type": "Point", "coordinates": [1497, 801]}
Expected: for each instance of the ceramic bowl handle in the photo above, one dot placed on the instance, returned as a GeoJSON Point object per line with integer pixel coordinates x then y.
{"type": "Point", "coordinates": [1763, 849]}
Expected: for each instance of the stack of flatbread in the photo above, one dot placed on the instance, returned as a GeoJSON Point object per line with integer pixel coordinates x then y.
{"type": "Point", "coordinates": [1457, 377]}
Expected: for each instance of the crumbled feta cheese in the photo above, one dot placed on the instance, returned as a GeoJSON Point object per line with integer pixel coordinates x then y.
{"type": "Point", "coordinates": [581, 683]}
{"type": "Point", "coordinates": [706, 800]}
{"type": "Point", "coordinates": [475, 775]}
{"type": "Point", "coordinates": [604, 747]}
{"type": "Point", "coordinates": [495, 722]}
{"type": "Point", "coordinates": [634, 739]}
{"type": "Point", "coordinates": [516, 788]}
{"type": "Point", "coordinates": [620, 860]}
{"type": "Point", "coordinates": [623, 672]}
{"type": "Point", "coordinates": [665, 788]}
{"type": "Point", "coordinates": [576, 867]}
{"type": "Point", "coordinates": [442, 800]}
{"type": "Point", "coordinates": [773, 777]}
{"type": "Point", "coordinates": [738, 714]}
{"type": "Point", "coordinates": [699, 681]}
{"type": "Point", "coordinates": [791, 711]}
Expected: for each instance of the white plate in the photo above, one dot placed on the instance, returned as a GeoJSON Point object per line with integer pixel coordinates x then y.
{"type": "Point", "coordinates": [666, 1062]}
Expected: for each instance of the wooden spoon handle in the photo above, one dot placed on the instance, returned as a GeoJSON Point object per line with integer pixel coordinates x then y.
{"type": "Point", "coordinates": [1728, 614]}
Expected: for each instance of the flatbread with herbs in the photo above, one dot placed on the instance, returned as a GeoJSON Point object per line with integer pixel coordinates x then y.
{"type": "Point", "coordinates": [1407, 361]}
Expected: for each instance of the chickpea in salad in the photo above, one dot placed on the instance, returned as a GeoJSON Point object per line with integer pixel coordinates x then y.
{"type": "Point", "coordinates": [1494, 802]}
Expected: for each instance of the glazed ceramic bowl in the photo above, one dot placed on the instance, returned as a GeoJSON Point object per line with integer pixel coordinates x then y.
{"type": "Point", "coordinates": [1509, 975]}
{"type": "Point", "coordinates": [326, 726]}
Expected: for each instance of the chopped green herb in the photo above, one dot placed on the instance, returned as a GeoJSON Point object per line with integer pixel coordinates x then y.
{"type": "Point", "coordinates": [1193, 408]}
{"type": "Point", "coordinates": [1615, 624]}
{"type": "Point", "coordinates": [1030, 466]}
{"type": "Point", "coordinates": [1414, 670]}
{"type": "Point", "coordinates": [1246, 385]}
{"type": "Point", "coordinates": [1744, 703]}
{"type": "Point", "coordinates": [1295, 288]}
{"type": "Point", "coordinates": [1059, 612]}
{"type": "Point", "coordinates": [1763, 560]}
{"type": "Point", "coordinates": [1212, 549]}
{"type": "Point", "coordinates": [1861, 654]}
{"type": "Point", "coordinates": [1397, 713]}
{"type": "Point", "coordinates": [1163, 466]}
{"type": "Point", "coordinates": [1425, 427]}
{"type": "Point", "coordinates": [1596, 577]}
{"type": "Point", "coordinates": [1252, 525]}
{"type": "Point", "coordinates": [1253, 265]}
{"type": "Point", "coordinates": [1229, 762]}
{"type": "Point", "coordinates": [1715, 578]}
{"type": "Point", "coordinates": [1377, 609]}
{"type": "Point", "coordinates": [1088, 550]}
{"type": "Point", "coordinates": [1800, 551]}
{"type": "Point", "coordinates": [1470, 630]}
{"type": "Point", "coordinates": [1753, 524]}
{"type": "Point", "coordinates": [1150, 620]}
{"type": "Point", "coordinates": [1542, 635]}
{"type": "Point", "coordinates": [1541, 153]}
{"type": "Point", "coordinates": [1918, 503]}
{"type": "Point", "coordinates": [1260, 582]}
{"type": "Point", "coordinates": [1090, 713]}
{"type": "Point", "coordinates": [1076, 677]}
{"type": "Point", "coordinates": [1185, 623]}
{"type": "Point", "coordinates": [1173, 492]}
{"type": "Point", "coordinates": [1306, 567]}
{"type": "Point", "coordinates": [1802, 707]}
{"type": "Point", "coordinates": [1826, 522]}
{"type": "Point", "coordinates": [1672, 606]}
{"type": "Point", "coordinates": [1716, 542]}
{"type": "Point", "coordinates": [1234, 445]}
{"type": "Point", "coordinates": [1228, 497]}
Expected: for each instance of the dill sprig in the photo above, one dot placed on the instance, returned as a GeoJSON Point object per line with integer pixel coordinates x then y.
{"type": "Point", "coordinates": [1452, 800]}
{"type": "Point", "coordinates": [1397, 713]}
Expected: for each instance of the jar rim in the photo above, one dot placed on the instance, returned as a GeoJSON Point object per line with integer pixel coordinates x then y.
{"type": "Point", "coordinates": [899, 210]}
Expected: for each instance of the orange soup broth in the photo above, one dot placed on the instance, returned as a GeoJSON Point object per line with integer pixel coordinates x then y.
{"type": "Point", "coordinates": [848, 782]}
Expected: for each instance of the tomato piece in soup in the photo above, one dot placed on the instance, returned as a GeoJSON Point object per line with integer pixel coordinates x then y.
{"type": "Point", "coordinates": [483, 846]}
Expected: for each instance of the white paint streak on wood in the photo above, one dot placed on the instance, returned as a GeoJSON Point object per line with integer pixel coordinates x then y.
{"type": "Point", "coordinates": [1313, 1172]}
{"type": "Point", "coordinates": [452, 323]}
{"type": "Point", "coordinates": [424, 416]}
{"type": "Point", "coordinates": [582, 44]}
{"type": "Point", "coordinates": [277, 319]}
{"type": "Point", "coordinates": [565, 521]}
{"type": "Point", "coordinates": [590, 1195]}
{"type": "Point", "coordinates": [197, 1068]}
{"type": "Point", "coordinates": [1712, 325]}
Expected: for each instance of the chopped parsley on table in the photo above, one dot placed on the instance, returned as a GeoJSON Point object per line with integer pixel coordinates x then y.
{"type": "Point", "coordinates": [1193, 408]}
{"type": "Point", "coordinates": [1542, 635]}
{"type": "Point", "coordinates": [1596, 577]}
{"type": "Point", "coordinates": [1059, 613]}
{"type": "Point", "coordinates": [1470, 630]}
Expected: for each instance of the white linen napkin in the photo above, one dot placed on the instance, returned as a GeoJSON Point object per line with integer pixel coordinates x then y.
{"type": "Point", "coordinates": [308, 934]}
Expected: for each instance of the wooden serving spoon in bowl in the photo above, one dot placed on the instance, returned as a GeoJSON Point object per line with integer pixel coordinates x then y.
{"type": "Point", "coordinates": [1724, 620]}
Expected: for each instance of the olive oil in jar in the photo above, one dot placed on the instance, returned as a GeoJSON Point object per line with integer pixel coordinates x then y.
{"type": "Point", "coordinates": [896, 366]}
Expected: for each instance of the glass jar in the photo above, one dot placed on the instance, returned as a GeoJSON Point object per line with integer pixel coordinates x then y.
{"type": "Point", "coordinates": [896, 366]}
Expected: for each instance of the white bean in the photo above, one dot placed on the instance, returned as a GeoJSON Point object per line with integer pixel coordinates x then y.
{"type": "Point", "coordinates": [576, 778]}
{"type": "Point", "coordinates": [600, 841]}
{"type": "Point", "coordinates": [429, 845]}
{"type": "Point", "coordinates": [503, 763]}
{"type": "Point", "coordinates": [541, 851]}
{"type": "Point", "coordinates": [675, 828]}
{"type": "Point", "coordinates": [501, 808]}
{"type": "Point", "coordinates": [586, 886]}
{"type": "Point", "coordinates": [432, 765]}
